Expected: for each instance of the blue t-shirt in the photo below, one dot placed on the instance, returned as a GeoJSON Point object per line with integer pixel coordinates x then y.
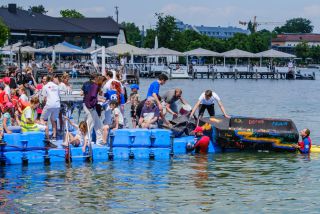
{"type": "Point", "coordinates": [153, 88]}
{"type": "Point", "coordinates": [112, 95]}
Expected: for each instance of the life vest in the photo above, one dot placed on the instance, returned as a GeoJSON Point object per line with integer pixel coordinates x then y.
{"type": "Point", "coordinates": [305, 148]}
{"type": "Point", "coordinates": [28, 127]}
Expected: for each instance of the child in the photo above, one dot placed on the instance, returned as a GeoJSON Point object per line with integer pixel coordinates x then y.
{"type": "Point", "coordinates": [81, 138]}
{"type": "Point", "coordinates": [117, 120]}
{"type": "Point", "coordinates": [134, 100]}
{"type": "Point", "coordinates": [305, 145]}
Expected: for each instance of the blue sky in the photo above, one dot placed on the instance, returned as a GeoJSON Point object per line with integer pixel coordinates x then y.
{"type": "Point", "coordinates": [195, 12]}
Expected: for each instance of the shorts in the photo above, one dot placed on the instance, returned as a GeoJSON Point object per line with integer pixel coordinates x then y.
{"type": "Point", "coordinates": [50, 112]}
{"type": "Point", "coordinates": [210, 109]}
{"type": "Point", "coordinates": [113, 126]}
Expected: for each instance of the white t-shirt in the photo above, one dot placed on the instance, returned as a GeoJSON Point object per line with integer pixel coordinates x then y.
{"type": "Point", "coordinates": [64, 89]}
{"type": "Point", "coordinates": [115, 112]}
{"type": "Point", "coordinates": [7, 90]}
{"type": "Point", "coordinates": [51, 92]}
{"type": "Point", "coordinates": [24, 97]}
{"type": "Point", "coordinates": [214, 98]}
{"type": "Point", "coordinates": [81, 137]}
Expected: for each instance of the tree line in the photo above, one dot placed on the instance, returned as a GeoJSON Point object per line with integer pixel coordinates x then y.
{"type": "Point", "coordinates": [170, 37]}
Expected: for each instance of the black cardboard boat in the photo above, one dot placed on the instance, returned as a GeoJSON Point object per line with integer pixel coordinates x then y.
{"type": "Point", "coordinates": [248, 133]}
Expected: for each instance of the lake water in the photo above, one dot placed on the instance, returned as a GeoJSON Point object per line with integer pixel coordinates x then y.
{"type": "Point", "coordinates": [219, 183]}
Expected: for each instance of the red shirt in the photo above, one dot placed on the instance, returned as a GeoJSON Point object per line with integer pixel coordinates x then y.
{"type": "Point", "coordinates": [202, 145]}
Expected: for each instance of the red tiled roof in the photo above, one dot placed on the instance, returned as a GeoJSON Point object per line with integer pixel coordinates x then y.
{"type": "Point", "coordinates": [297, 38]}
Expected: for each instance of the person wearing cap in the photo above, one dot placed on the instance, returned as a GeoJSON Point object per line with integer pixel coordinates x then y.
{"type": "Point", "coordinates": [8, 127]}
{"type": "Point", "coordinates": [7, 89]}
{"type": "Point", "coordinates": [201, 142]}
{"type": "Point", "coordinates": [134, 100]}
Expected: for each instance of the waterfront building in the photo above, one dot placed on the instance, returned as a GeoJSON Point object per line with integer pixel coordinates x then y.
{"type": "Point", "coordinates": [287, 42]}
{"type": "Point", "coordinates": [217, 32]}
{"type": "Point", "coordinates": [43, 30]}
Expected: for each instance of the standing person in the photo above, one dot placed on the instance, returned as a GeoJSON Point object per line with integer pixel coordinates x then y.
{"type": "Point", "coordinates": [64, 86]}
{"type": "Point", "coordinates": [52, 107]}
{"type": "Point", "coordinates": [154, 89]}
{"type": "Point", "coordinates": [170, 98]}
{"type": "Point", "coordinates": [90, 100]}
{"type": "Point", "coordinates": [207, 101]}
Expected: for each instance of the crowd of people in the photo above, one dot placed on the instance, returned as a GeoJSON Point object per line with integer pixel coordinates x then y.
{"type": "Point", "coordinates": [27, 105]}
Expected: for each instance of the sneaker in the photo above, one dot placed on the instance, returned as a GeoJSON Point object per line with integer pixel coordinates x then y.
{"type": "Point", "coordinates": [100, 143]}
{"type": "Point", "coordinates": [53, 139]}
{"type": "Point", "coordinates": [49, 144]}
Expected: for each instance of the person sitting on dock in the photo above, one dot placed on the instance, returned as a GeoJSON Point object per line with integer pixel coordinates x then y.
{"type": "Point", "coordinates": [170, 98]}
{"type": "Point", "coordinates": [149, 114]}
{"type": "Point", "coordinates": [117, 120]}
{"type": "Point", "coordinates": [8, 125]}
{"type": "Point", "coordinates": [206, 101]}
{"type": "Point", "coordinates": [80, 139]}
{"type": "Point", "coordinates": [27, 121]}
{"type": "Point", "coordinates": [305, 145]}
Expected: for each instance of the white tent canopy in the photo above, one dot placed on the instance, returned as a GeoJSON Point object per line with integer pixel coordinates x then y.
{"type": "Point", "coordinates": [274, 54]}
{"type": "Point", "coordinates": [201, 52]}
{"type": "Point", "coordinates": [121, 49]}
{"type": "Point", "coordinates": [236, 53]}
{"type": "Point", "coordinates": [25, 49]}
{"type": "Point", "coordinates": [164, 52]}
{"type": "Point", "coordinates": [11, 47]}
{"type": "Point", "coordinates": [58, 48]}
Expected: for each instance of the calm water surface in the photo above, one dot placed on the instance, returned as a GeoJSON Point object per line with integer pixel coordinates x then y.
{"type": "Point", "coordinates": [220, 183]}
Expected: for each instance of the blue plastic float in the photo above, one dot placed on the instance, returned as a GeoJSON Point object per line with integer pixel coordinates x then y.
{"type": "Point", "coordinates": [236, 134]}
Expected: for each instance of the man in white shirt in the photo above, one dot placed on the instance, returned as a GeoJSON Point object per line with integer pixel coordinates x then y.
{"type": "Point", "coordinates": [52, 108]}
{"type": "Point", "coordinates": [206, 101]}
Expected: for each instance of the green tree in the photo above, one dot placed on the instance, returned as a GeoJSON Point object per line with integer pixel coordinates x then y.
{"type": "Point", "coordinates": [166, 29]}
{"type": "Point", "coordinates": [132, 33]}
{"type": "Point", "coordinates": [4, 33]}
{"type": "Point", "coordinates": [251, 27]}
{"type": "Point", "coordinates": [149, 38]}
{"type": "Point", "coordinates": [71, 13]}
{"type": "Point", "coordinates": [296, 25]}
{"type": "Point", "coordinates": [38, 9]}
{"type": "Point", "coordinates": [314, 53]}
{"type": "Point", "coordinates": [302, 50]}
{"type": "Point", "coordinates": [239, 41]}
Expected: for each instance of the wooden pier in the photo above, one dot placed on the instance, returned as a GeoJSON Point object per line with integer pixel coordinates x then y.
{"type": "Point", "coordinates": [252, 75]}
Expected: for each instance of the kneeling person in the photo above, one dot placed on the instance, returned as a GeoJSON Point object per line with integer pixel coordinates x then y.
{"type": "Point", "coordinates": [27, 122]}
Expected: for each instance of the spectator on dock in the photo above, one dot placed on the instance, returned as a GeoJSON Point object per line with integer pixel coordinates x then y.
{"type": "Point", "coordinates": [207, 101]}
{"type": "Point", "coordinates": [117, 120]}
{"type": "Point", "coordinates": [52, 108]}
{"type": "Point", "coordinates": [90, 91]}
{"type": "Point", "coordinates": [80, 139]}
{"type": "Point", "coordinates": [9, 121]}
{"type": "Point", "coordinates": [134, 100]}
{"type": "Point", "coordinates": [64, 85]}
{"type": "Point", "coordinates": [150, 114]}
